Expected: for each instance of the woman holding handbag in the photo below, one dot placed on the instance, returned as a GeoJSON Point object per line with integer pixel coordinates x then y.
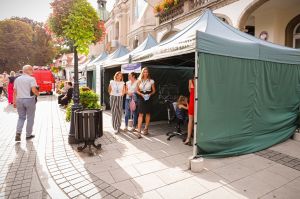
{"type": "Point", "coordinates": [131, 102]}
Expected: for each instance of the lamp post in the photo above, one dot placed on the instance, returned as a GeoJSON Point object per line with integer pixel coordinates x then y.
{"type": "Point", "coordinates": [76, 101]}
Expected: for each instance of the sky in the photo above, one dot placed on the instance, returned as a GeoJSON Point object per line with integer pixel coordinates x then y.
{"type": "Point", "coordinates": [37, 10]}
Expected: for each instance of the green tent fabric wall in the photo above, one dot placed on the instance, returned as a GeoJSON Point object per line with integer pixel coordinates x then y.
{"type": "Point", "coordinates": [244, 105]}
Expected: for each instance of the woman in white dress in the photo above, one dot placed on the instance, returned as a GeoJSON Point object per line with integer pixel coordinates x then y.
{"type": "Point", "coordinates": [116, 90]}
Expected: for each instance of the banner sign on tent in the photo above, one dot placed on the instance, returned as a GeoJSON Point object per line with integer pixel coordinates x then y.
{"type": "Point", "coordinates": [128, 68]}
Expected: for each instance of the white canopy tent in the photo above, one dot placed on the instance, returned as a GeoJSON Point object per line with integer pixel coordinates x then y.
{"type": "Point", "coordinates": [92, 65]}
{"type": "Point", "coordinates": [149, 42]}
{"type": "Point", "coordinates": [210, 26]}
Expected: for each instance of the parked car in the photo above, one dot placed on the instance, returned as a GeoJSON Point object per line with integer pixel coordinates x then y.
{"type": "Point", "coordinates": [45, 80]}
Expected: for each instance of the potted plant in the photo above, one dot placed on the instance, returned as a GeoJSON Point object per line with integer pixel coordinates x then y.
{"type": "Point", "coordinates": [88, 98]}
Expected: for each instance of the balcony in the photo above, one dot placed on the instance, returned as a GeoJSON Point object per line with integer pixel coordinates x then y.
{"type": "Point", "coordinates": [171, 13]}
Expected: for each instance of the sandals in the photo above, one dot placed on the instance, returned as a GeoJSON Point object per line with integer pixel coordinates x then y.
{"type": "Point", "coordinates": [188, 142]}
{"type": "Point", "coordinates": [138, 134]}
{"type": "Point", "coordinates": [145, 131]}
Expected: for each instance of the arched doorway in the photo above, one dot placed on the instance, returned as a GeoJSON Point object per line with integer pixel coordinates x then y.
{"type": "Point", "coordinates": [268, 19]}
{"type": "Point", "coordinates": [168, 35]}
{"type": "Point", "coordinates": [248, 11]}
{"type": "Point", "coordinates": [297, 36]}
{"type": "Point", "coordinates": [292, 33]}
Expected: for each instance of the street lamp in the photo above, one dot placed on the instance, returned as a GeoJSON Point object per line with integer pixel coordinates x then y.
{"type": "Point", "coordinates": [76, 105]}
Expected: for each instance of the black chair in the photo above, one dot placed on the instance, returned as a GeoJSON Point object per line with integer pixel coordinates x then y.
{"type": "Point", "coordinates": [172, 117]}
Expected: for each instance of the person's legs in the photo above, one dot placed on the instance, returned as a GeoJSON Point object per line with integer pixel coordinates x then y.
{"type": "Point", "coordinates": [112, 100]}
{"type": "Point", "coordinates": [135, 118]}
{"type": "Point", "coordinates": [127, 112]}
{"type": "Point", "coordinates": [10, 93]}
{"type": "Point", "coordinates": [64, 102]}
{"type": "Point", "coordinates": [190, 129]}
{"type": "Point", "coordinates": [59, 98]}
{"type": "Point", "coordinates": [30, 109]}
{"type": "Point", "coordinates": [22, 117]}
{"type": "Point", "coordinates": [140, 121]}
{"type": "Point", "coordinates": [119, 111]}
{"type": "Point", "coordinates": [147, 120]}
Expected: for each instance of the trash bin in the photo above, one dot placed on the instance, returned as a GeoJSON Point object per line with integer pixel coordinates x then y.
{"type": "Point", "coordinates": [88, 127]}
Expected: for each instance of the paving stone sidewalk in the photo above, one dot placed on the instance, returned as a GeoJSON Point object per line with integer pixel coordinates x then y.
{"type": "Point", "coordinates": [45, 166]}
{"type": "Point", "coordinates": [127, 167]}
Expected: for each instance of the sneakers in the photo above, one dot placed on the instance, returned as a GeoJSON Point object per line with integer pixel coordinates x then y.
{"type": "Point", "coordinates": [30, 137]}
{"type": "Point", "coordinates": [125, 129]}
{"type": "Point", "coordinates": [18, 137]}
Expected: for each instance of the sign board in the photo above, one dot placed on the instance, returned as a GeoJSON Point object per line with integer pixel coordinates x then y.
{"type": "Point", "coordinates": [134, 67]}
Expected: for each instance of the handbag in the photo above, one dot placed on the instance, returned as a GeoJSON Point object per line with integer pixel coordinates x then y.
{"type": "Point", "coordinates": [132, 105]}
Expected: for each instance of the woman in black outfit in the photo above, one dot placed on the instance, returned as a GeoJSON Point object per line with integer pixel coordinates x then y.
{"type": "Point", "coordinates": [145, 90]}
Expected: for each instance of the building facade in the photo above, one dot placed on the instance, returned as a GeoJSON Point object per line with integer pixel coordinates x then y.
{"type": "Point", "coordinates": [130, 21]}
{"type": "Point", "coordinates": [274, 20]}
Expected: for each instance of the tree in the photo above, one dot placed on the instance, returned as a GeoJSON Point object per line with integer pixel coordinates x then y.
{"type": "Point", "coordinates": [24, 41]}
{"type": "Point", "coordinates": [77, 23]}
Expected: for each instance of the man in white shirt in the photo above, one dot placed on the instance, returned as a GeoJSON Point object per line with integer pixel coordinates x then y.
{"type": "Point", "coordinates": [25, 102]}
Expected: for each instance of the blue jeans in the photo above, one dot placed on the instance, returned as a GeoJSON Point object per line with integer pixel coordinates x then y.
{"type": "Point", "coordinates": [128, 113]}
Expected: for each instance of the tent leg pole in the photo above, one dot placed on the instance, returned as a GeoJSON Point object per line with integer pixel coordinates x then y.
{"type": "Point", "coordinates": [195, 148]}
{"type": "Point", "coordinates": [196, 164]}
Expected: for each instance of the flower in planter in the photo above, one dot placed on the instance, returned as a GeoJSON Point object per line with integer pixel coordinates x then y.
{"type": "Point", "coordinates": [157, 8]}
{"type": "Point", "coordinates": [165, 5]}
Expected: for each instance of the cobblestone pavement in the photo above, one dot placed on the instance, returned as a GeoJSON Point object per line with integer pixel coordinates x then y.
{"type": "Point", "coordinates": [127, 167]}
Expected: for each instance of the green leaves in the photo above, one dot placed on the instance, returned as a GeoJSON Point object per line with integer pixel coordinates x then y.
{"type": "Point", "coordinates": [24, 41]}
{"type": "Point", "coordinates": [88, 99]}
{"type": "Point", "coordinates": [77, 21]}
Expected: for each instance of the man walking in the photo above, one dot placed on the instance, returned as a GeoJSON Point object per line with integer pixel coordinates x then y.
{"type": "Point", "coordinates": [25, 102]}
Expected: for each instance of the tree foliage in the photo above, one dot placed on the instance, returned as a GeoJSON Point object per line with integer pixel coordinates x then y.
{"type": "Point", "coordinates": [24, 41]}
{"type": "Point", "coordinates": [75, 21]}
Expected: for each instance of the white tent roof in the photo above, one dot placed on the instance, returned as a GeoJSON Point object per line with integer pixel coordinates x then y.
{"type": "Point", "coordinates": [94, 63]}
{"type": "Point", "coordinates": [121, 51]}
{"type": "Point", "coordinates": [209, 26]}
{"type": "Point", "coordinates": [149, 42]}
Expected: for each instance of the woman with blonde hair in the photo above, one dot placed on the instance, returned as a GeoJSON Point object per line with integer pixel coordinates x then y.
{"type": "Point", "coordinates": [145, 90]}
{"type": "Point", "coordinates": [10, 89]}
{"type": "Point", "coordinates": [116, 90]}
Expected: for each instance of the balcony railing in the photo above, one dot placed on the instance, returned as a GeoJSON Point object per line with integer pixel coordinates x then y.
{"type": "Point", "coordinates": [173, 12]}
{"type": "Point", "coordinates": [201, 3]}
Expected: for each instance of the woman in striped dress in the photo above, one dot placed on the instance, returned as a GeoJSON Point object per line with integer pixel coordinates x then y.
{"type": "Point", "coordinates": [116, 90]}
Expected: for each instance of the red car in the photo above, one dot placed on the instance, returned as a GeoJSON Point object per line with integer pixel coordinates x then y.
{"type": "Point", "coordinates": [45, 81]}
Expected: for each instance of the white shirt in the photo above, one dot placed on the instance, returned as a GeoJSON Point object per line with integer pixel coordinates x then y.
{"type": "Point", "coordinates": [23, 84]}
{"type": "Point", "coordinates": [131, 88]}
{"type": "Point", "coordinates": [146, 85]}
{"type": "Point", "coordinates": [116, 87]}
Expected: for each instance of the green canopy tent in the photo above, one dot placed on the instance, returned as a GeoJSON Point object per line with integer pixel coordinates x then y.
{"type": "Point", "coordinates": [247, 90]}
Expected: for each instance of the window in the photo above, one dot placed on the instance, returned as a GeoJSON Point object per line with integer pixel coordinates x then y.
{"type": "Point", "coordinates": [139, 7]}
{"type": "Point", "coordinates": [117, 31]}
{"type": "Point", "coordinates": [296, 36]}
